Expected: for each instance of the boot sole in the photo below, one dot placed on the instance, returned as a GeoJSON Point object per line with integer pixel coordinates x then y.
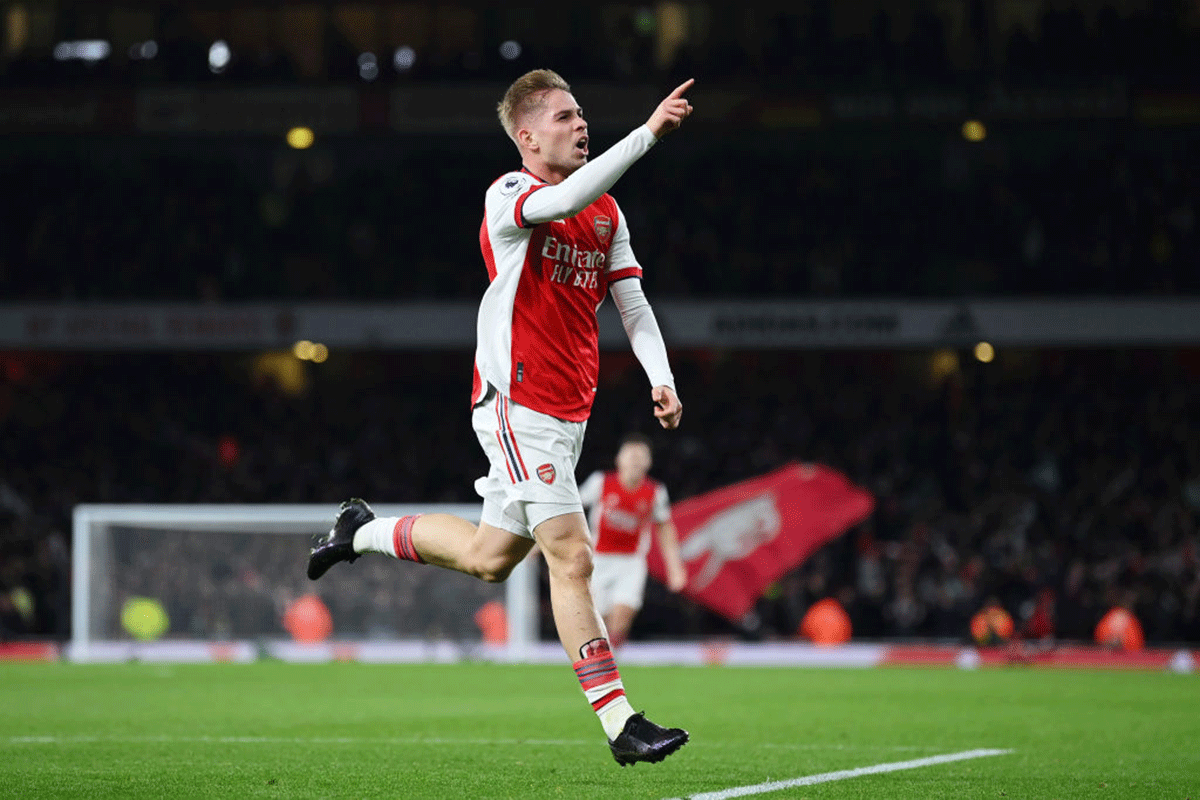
{"type": "Point", "coordinates": [652, 758]}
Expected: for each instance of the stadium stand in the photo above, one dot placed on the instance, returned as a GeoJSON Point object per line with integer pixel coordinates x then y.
{"type": "Point", "coordinates": [1061, 482]}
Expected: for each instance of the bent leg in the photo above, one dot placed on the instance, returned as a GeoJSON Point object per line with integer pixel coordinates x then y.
{"type": "Point", "coordinates": [484, 551]}
{"type": "Point", "coordinates": [443, 540]}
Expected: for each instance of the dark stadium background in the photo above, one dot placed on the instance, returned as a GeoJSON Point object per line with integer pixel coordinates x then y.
{"type": "Point", "coordinates": [950, 151]}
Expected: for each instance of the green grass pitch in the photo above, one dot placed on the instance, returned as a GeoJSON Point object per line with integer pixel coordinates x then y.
{"type": "Point", "coordinates": [275, 730]}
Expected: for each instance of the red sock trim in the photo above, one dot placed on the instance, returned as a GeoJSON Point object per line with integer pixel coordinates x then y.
{"type": "Point", "coordinates": [608, 698]}
{"type": "Point", "coordinates": [596, 670]}
{"type": "Point", "coordinates": [402, 539]}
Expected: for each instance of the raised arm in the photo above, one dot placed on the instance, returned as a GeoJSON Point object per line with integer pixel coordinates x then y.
{"type": "Point", "coordinates": [582, 187]}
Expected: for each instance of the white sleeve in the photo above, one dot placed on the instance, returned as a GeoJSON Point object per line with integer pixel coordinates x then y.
{"type": "Point", "coordinates": [662, 505]}
{"type": "Point", "coordinates": [590, 491]}
{"type": "Point", "coordinates": [584, 185]}
{"type": "Point", "coordinates": [642, 329]}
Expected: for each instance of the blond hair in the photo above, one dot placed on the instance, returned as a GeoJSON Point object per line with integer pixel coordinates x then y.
{"type": "Point", "coordinates": [526, 96]}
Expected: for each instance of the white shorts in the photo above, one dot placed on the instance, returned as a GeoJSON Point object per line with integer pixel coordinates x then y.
{"type": "Point", "coordinates": [533, 458]}
{"type": "Point", "coordinates": [618, 579]}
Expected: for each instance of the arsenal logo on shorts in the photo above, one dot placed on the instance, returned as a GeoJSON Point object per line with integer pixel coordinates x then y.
{"type": "Point", "coordinates": [603, 226]}
{"type": "Point", "coordinates": [546, 473]}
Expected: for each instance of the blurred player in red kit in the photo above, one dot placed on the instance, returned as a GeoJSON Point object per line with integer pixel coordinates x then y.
{"type": "Point", "coordinates": [625, 503]}
{"type": "Point", "coordinates": [555, 245]}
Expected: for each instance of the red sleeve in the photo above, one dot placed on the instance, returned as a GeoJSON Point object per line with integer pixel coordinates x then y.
{"type": "Point", "coordinates": [631, 272]}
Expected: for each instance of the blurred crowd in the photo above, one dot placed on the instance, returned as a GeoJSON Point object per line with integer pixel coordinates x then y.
{"type": "Point", "coordinates": [841, 215]}
{"type": "Point", "coordinates": [1061, 483]}
{"type": "Point", "coordinates": [796, 44]}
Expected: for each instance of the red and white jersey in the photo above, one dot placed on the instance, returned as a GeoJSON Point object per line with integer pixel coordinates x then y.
{"type": "Point", "coordinates": [538, 337]}
{"type": "Point", "coordinates": [620, 518]}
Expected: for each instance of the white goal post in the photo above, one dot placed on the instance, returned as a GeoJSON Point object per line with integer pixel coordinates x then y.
{"type": "Point", "coordinates": [94, 561]}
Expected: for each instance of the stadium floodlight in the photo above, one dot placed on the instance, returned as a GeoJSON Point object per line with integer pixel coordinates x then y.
{"type": "Point", "coordinates": [510, 50]}
{"type": "Point", "coordinates": [226, 574]}
{"type": "Point", "coordinates": [404, 58]}
{"type": "Point", "coordinates": [368, 67]}
{"type": "Point", "coordinates": [90, 50]}
{"type": "Point", "coordinates": [143, 51]}
{"type": "Point", "coordinates": [219, 56]}
{"type": "Point", "coordinates": [301, 137]}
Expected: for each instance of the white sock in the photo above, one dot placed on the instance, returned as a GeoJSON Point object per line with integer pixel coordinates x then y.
{"type": "Point", "coordinates": [603, 688]}
{"type": "Point", "coordinates": [614, 716]}
{"type": "Point", "coordinates": [377, 537]}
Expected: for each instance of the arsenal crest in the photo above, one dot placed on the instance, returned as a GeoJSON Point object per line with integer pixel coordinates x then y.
{"type": "Point", "coordinates": [603, 226]}
{"type": "Point", "coordinates": [546, 473]}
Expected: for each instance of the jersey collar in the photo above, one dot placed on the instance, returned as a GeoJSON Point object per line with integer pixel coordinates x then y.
{"type": "Point", "coordinates": [527, 172]}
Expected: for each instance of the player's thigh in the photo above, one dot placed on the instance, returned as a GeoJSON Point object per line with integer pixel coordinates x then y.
{"type": "Point", "coordinates": [496, 551]}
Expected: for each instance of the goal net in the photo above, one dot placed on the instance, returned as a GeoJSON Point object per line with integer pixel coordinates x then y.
{"type": "Point", "coordinates": [227, 575]}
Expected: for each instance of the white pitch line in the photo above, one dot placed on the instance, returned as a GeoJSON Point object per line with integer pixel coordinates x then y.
{"type": "Point", "coordinates": [843, 774]}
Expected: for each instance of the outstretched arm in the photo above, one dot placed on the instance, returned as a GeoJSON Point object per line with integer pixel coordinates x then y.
{"type": "Point", "coordinates": [596, 177]}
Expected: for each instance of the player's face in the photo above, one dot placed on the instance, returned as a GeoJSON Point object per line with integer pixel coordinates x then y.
{"type": "Point", "coordinates": [561, 133]}
{"type": "Point", "coordinates": [633, 460]}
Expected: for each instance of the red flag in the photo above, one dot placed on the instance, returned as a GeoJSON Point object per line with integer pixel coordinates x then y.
{"type": "Point", "coordinates": [738, 540]}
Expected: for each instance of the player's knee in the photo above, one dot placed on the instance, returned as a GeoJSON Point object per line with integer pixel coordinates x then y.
{"type": "Point", "coordinates": [574, 562]}
{"type": "Point", "coordinates": [494, 568]}
{"type": "Point", "coordinates": [497, 573]}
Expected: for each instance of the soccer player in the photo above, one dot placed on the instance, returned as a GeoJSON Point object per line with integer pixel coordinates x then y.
{"type": "Point", "coordinates": [624, 504]}
{"type": "Point", "coordinates": [555, 244]}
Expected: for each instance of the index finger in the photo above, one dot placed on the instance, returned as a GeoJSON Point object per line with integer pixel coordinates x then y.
{"type": "Point", "coordinates": [681, 88]}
